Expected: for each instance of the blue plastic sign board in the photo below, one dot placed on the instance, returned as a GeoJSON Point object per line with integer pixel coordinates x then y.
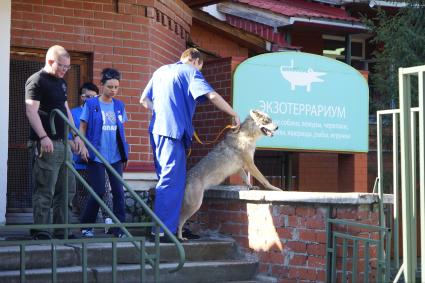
{"type": "Point", "coordinates": [318, 103]}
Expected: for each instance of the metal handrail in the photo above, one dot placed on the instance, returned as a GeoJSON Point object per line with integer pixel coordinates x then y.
{"type": "Point", "coordinates": [383, 259]}
{"type": "Point", "coordinates": [83, 242]}
{"type": "Point", "coordinates": [156, 220]}
{"type": "Point", "coordinates": [116, 175]}
{"type": "Point", "coordinates": [357, 224]}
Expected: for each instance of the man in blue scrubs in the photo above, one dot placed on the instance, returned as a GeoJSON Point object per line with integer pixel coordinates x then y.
{"type": "Point", "coordinates": [172, 95]}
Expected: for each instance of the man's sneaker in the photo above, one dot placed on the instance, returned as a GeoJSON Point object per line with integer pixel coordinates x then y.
{"type": "Point", "coordinates": [162, 239]}
{"type": "Point", "coordinates": [189, 235]}
{"type": "Point", "coordinates": [87, 233]}
{"type": "Point", "coordinates": [41, 235]}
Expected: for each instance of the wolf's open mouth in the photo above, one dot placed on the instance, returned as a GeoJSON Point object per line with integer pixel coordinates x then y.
{"type": "Point", "coordinates": [267, 132]}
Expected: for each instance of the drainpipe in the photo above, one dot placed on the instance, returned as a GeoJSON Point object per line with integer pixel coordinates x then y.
{"type": "Point", "coordinates": [5, 20]}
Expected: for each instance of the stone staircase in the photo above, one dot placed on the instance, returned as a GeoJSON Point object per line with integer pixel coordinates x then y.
{"type": "Point", "coordinates": [214, 260]}
{"type": "Point", "coordinates": [206, 261]}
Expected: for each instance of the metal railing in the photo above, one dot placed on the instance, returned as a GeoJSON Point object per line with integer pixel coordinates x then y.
{"type": "Point", "coordinates": [138, 242]}
{"type": "Point", "coordinates": [408, 157]}
{"type": "Point", "coordinates": [410, 120]}
{"type": "Point", "coordinates": [333, 245]}
{"type": "Point", "coordinates": [395, 221]}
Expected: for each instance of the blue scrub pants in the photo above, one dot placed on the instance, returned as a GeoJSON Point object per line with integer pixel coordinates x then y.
{"type": "Point", "coordinates": [170, 165]}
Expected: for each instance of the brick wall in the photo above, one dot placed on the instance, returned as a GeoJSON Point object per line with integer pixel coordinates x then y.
{"type": "Point", "coordinates": [134, 36]}
{"type": "Point", "coordinates": [215, 43]}
{"type": "Point", "coordinates": [288, 239]}
{"type": "Point", "coordinates": [318, 172]}
{"type": "Point", "coordinates": [333, 172]}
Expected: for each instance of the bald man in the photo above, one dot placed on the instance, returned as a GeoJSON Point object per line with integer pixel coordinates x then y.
{"type": "Point", "coordinates": [46, 90]}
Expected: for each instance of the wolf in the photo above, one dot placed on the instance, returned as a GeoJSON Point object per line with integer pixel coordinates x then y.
{"type": "Point", "coordinates": [234, 154]}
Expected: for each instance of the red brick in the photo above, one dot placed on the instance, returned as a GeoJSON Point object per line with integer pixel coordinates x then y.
{"type": "Point", "coordinates": [62, 12]}
{"type": "Point", "coordinates": [295, 246]}
{"type": "Point", "coordinates": [73, 4]}
{"type": "Point", "coordinates": [280, 271]}
{"type": "Point", "coordinates": [316, 249]}
{"type": "Point", "coordinates": [294, 273]}
{"type": "Point", "coordinates": [53, 3]}
{"type": "Point", "coordinates": [285, 233]}
{"type": "Point", "coordinates": [52, 19]}
{"type": "Point", "coordinates": [22, 7]}
{"type": "Point", "coordinates": [93, 23]}
{"type": "Point", "coordinates": [274, 258]}
{"type": "Point", "coordinates": [307, 235]}
{"type": "Point", "coordinates": [92, 6]}
{"type": "Point", "coordinates": [19, 24]}
{"type": "Point", "coordinates": [32, 17]}
{"type": "Point", "coordinates": [317, 262]}
{"type": "Point", "coordinates": [108, 7]}
{"type": "Point", "coordinates": [63, 28]}
{"type": "Point", "coordinates": [84, 14]}
{"type": "Point", "coordinates": [321, 236]}
{"type": "Point", "coordinates": [315, 223]}
{"type": "Point", "coordinates": [298, 260]}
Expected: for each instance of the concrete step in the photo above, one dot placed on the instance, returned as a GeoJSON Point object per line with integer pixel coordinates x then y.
{"type": "Point", "coordinates": [98, 254]}
{"type": "Point", "coordinates": [192, 272]}
{"type": "Point", "coordinates": [141, 181]}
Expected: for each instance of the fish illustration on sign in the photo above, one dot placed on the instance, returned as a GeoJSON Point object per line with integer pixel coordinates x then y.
{"type": "Point", "coordinates": [299, 78]}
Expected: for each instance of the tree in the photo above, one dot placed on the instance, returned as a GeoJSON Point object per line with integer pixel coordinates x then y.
{"type": "Point", "coordinates": [400, 41]}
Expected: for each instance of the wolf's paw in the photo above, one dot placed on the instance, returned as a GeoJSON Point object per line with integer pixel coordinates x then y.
{"type": "Point", "coordinates": [273, 188]}
{"type": "Point", "coordinates": [251, 188]}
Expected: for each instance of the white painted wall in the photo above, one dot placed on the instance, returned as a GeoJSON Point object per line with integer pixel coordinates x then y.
{"type": "Point", "coordinates": [5, 11]}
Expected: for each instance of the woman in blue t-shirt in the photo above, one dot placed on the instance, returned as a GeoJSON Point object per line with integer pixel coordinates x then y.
{"type": "Point", "coordinates": [102, 122]}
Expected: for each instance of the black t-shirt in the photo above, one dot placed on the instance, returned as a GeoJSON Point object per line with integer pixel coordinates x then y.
{"type": "Point", "coordinates": [52, 93]}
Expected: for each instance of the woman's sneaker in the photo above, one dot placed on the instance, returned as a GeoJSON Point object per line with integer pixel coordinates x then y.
{"type": "Point", "coordinates": [122, 235]}
{"type": "Point", "coordinates": [87, 233]}
{"type": "Point", "coordinates": [108, 221]}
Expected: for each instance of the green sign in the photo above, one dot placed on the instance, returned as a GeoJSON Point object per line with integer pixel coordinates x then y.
{"type": "Point", "coordinates": [318, 103]}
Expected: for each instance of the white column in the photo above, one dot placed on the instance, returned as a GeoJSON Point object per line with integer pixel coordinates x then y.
{"type": "Point", "coordinates": [5, 11]}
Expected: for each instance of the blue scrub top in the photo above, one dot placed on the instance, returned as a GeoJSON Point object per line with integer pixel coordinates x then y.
{"type": "Point", "coordinates": [175, 90]}
{"type": "Point", "coordinates": [108, 139]}
{"type": "Point", "coordinates": [79, 164]}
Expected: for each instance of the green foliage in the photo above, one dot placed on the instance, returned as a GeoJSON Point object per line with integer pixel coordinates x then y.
{"type": "Point", "coordinates": [400, 42]}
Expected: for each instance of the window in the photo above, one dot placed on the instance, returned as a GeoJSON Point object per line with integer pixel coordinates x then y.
{"type": "Point", "coordinates": [334, 47]}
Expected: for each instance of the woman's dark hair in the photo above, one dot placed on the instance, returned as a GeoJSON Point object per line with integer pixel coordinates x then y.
{"type": "Point", "coordinates": [89, 86]}
{"type": "Point", "coordinates": [110, 74]}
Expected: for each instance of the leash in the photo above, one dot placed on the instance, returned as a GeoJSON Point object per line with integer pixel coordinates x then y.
{"type": "Point", "coordinates": [195, 135]}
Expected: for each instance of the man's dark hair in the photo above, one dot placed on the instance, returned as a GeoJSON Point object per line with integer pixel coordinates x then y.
{"type": "Point", "coordinates": [89, 86]}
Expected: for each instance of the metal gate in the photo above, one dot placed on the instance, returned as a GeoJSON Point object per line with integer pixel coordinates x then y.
{"type": "Point", "coordinates": [408, 181]}
{"type": "Point", "coordinates": [412, 136]}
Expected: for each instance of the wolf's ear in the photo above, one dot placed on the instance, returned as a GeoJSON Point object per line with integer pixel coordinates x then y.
{"type": "Point", "coordinates": [252, 113]}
